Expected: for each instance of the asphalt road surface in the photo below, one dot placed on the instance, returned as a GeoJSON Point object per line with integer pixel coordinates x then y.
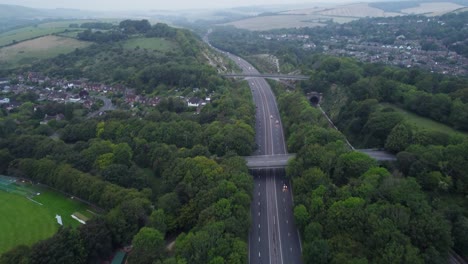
{"type": "Point", "coordinates": [273, 238]}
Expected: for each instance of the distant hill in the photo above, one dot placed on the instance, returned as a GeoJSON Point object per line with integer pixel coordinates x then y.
{"type": "Point", "coordinates": [22, 12]}
{"type": "Point", "coordinates": [14, 11]}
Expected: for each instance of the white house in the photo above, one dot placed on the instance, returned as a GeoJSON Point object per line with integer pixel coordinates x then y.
{"type": "Point", "coordinates": [194, 102]}
{"type": "Point", "coordinates": [5, 101]}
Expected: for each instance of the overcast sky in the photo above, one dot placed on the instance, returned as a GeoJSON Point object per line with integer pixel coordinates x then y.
{"type": "Point", "coordinates": [147, 4]}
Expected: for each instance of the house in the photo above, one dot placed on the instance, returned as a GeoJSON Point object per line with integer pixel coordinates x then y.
{"type": "Point", "coordinates": [6, 89]}
{"type": "Point", "coordinates": [4, 81]}
{"type": "Point", "coordinates": [5, 101]}
{"type": "Point", "coordinates": [83, 94]}
{"type": "Point", "coordinates": [48, 118]}
{"type": "Point", "coordinates": [194, 102]}
{"type": "Point", "coordinates": [74, 100]}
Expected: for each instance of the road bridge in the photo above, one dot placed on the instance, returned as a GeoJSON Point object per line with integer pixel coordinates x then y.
{"type": "Point", "coordinates": [268, 161]}
{"type": "Point", "coordinates": [379, 155]}
{"type": "Point", "coordinates": [268, 76]}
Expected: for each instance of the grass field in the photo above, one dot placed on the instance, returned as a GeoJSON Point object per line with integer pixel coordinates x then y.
{"type": "Point", "coordinates": [23, 221]}
{"type": "Point", "coordinates": [41, 48]}
{"type": "Point", "coordinates": [25, 33]}
{"type": "Point", "coordinates": [277, 21]}
{"type": "Point", "coordinates": [424, 123]}
{"type": "Point", "coordinates": [155, 44]}
{"type": "Point", "coordinates": [356, 10]}
{"type": "Point", "coordinates": [432, 9]}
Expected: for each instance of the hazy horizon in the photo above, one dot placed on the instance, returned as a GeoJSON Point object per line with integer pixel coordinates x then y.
{"type": "Point", "coordinates": [110, 5]}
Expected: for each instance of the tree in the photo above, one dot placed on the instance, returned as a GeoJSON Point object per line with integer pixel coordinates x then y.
{"type": "Point", "coordinates": [148, 246]}
{"type": "Point", "coordinates": [5, 158]}
{"type": "Point", "coordinates": [460, 234]}
{"type": "Point", "coordinates": [352, 165]}
{"type": "Point", "coordinates": [316, 251]}
{"type": "Point", "coordinates": [399, 138]}
{"type": "Point", "coordinates": [97, 239]}
{"type": "Point", "coordinates": [64, 247]}
{"type": "Point", "coordinates": [19, 255]}
{"type": "Point", "coordinates": [301, 216]}
{"type": "Point", "coordinates": [157, 220]}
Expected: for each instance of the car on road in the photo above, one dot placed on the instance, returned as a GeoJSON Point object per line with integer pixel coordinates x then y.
{"type": "Point", "coordinates": [277, 122]}
{"type": "Point", "coordinates": [271, 116]}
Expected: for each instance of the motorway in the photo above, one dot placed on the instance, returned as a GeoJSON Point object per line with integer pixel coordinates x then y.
{"type": "Point", "coordinates": [273, 238]}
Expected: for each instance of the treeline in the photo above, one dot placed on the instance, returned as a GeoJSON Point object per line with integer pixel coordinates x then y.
{"type": "Point", "coordinates": [95, 25]}
{"type": "Point", "coordinates": [349, 210]}
{"type": "Point", "coordinates": [124, 30]}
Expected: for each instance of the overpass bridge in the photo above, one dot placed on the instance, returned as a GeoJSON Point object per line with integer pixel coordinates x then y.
{"type": "Point", "coordinates": [268, 76]}
{"type": "Point", "coordinates": [281, 160]}
{"type": "Point", "coordinates": [268, 161]}
{"type": "Point", "coordinates": [379, 155]}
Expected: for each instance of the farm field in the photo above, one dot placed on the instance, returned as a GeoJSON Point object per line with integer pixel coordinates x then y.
{"type": "Point", "coordinates": [25, 33]}
{"type": "Point", "coordinates": [432, 9]}
{"type": "Point", "coordinates": [155, 44]}
{"type": "Point", "coordinates": [310, 17]}
{"type": "Point", "coordinates": [40, 48]}
{"type": "Point", "coordinates": [277, 21]}
{"type": "Point", "coordinates": [424, 123]}
{"type": "Point", "coordinates": [25, 222]}
{"type": "Point", "coordinates": [356, 10]}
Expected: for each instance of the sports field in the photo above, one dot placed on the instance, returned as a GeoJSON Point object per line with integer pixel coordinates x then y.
{"type": "Point", "coordinates": [27, 217]}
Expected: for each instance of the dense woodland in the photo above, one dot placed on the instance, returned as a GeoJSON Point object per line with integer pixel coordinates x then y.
{"type": "Point", "coordinates": [160, 176]}
{"type": "Point", "coordinates": [349, 208]}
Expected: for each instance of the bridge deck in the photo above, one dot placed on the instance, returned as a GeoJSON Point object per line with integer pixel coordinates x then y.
{"type": "Point", "coordinates": [273, 76]}
{"type": "Point", "coordinates": [268, 161]}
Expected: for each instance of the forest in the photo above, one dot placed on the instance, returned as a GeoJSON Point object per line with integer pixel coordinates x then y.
{"type": "Point", "coordinates": [163, 176]}
{"type": "Point", "coordinates": [349, 209]}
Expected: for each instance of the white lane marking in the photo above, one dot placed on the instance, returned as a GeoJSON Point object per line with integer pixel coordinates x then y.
{"type": "Point", "coordinates": [287, 222]}
{"type": "Point", "coordinates": [258, 213]}
{"type": "Point", "coordinates": [259, 254]}
{"type": "Point", "coordinates": [258, 225]}
{"type": "Point", "coordinates": [258, 193]}
{"type": "Point", "coordinates": [289, 234]}
{"type": "Point", "coordinates": [259, 203]}
{"type": "Point", "coordinates": [258, 239]}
